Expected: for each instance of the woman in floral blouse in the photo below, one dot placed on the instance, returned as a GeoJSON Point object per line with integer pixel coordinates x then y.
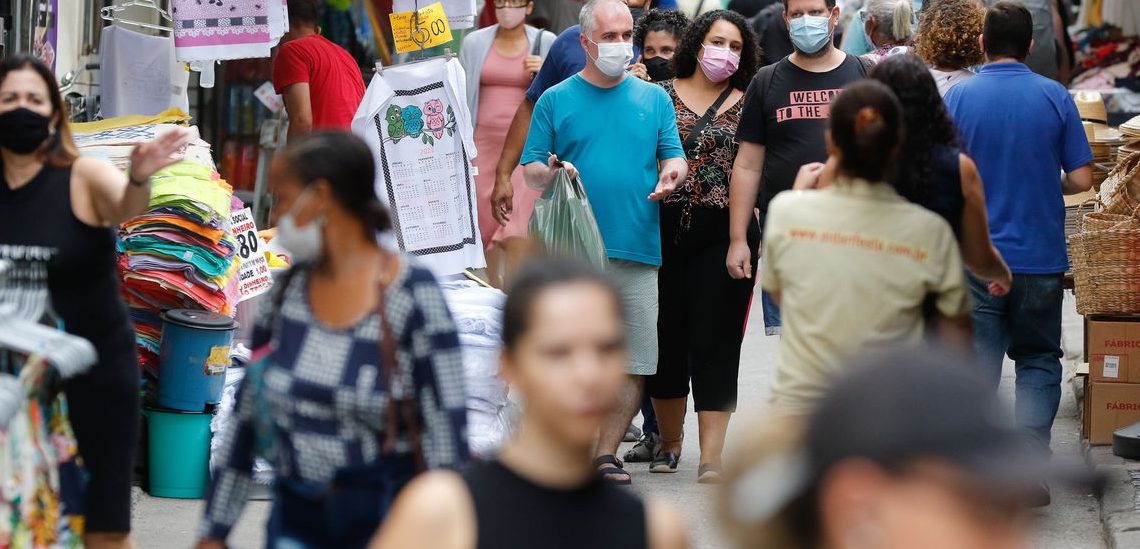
{"type": "Point", "coordinates": [703, 310]}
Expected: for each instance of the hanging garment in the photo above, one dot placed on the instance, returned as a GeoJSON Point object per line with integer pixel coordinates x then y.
{"type": "Point", "coordinates": [41, 482]}
{"type": "Point", "coordinates": [1124, 14]}
{"type": "Point", "coordinates": [139, 74]}
{"type": "Point", "coordinates": [216, 31]}
{"type": "Point", "coordinates": [278, 20]}
{"type": "Point", "coordinates": [416, 121]}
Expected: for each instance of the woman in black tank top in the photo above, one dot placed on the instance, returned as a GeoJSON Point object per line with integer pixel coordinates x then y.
{"type": "Point", "coordinates": [57, 211]}
{"type": "Point", "coordinates": [565, 353]}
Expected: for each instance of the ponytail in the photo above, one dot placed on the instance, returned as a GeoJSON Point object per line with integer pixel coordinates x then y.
{"type": "Point", "coordinates": [902, 20]}
{"type": "Point", "coordinates": [867, 127]}
{"type": "Point", "coordinates": [895, 18]}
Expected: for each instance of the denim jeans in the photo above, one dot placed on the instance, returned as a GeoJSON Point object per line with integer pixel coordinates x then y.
{"type": "Point", "coordinates": [1026, 325]}
{"type": "Point", "coordinates": [306, 516]}
{"type": "Point", "coordinates": [648, 417]}
{"type": "Point", "coordinates": [771, 314]}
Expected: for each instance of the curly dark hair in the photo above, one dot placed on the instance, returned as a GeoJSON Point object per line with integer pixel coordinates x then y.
{"type": "Point", "coordinates": [685, 60]}
{"type": "Point", "coordinates": [924, 112]}
{"type": "Point", "coordinates": [655, 20]}
{"type": "Point", "coordinates": [948, 33]}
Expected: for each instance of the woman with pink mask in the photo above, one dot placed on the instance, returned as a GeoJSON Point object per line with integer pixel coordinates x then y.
{"type": "Point", "coordinates": [500, 61]}
{"type": "Point", "coordinates": [702, 310]}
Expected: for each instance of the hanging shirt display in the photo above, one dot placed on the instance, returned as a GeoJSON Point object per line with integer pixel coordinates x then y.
{"type": "Point", "coordinates": [210, 31]}
{"type": "Point", "coordinates": [415, 119]}
{"type": "Point", "coordinates": [139, 74]}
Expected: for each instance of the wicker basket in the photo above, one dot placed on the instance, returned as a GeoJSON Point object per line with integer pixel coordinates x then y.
{"type": "Point", "coordinates": [1120, 191]}
{"type": "Point", "coordinates": [1099, 220]}
{"type": "Point", "coordinates": [1106, 265]}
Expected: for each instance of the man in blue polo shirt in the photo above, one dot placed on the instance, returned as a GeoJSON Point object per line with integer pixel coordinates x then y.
{"type": "Point", "coordinates": [614, 130]}
{"type": "Point", "coordinates": [1022, 129]}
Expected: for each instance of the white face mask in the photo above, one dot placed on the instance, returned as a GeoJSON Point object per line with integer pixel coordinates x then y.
{"type": "Point", "coordinates": [306, 243]}
{"type": "Point", "coordinates": [613, 57]}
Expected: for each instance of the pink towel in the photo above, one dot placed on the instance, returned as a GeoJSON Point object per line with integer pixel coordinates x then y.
{"type": "Point", "coordinates": [208, 30]}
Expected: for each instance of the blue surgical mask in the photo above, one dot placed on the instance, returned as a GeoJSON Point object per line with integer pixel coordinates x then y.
{"type": "Point", "coordinates": [810, 33]}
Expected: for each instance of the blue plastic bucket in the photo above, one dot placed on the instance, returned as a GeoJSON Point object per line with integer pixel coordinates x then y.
{"type": "Point", "coordinates": [178, 453]}
{"type": "Point", "coordinates": [194, 356]}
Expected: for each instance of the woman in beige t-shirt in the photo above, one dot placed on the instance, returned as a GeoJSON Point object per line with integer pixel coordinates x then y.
{"type": "Point", "coordinates": [852, 265]}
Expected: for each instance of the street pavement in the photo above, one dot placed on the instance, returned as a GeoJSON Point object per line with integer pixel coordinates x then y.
{"type": "Point", "coordinates": [1072, 522]}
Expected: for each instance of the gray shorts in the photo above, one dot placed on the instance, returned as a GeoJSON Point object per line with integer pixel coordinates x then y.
{"type": "Point", "coordinates": [638, 285]}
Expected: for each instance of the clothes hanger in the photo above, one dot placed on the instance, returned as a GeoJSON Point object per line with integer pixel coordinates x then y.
{"type": "Point", "coordinates": [111, 13]}
{"type": "Point", "coordinates": [69, 355]}
{"type": "Point", "coordinates": [419, 37]}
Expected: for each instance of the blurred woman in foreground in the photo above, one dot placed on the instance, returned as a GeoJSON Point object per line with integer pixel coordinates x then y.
{"type": "Point", "coordinates": [564, 351]}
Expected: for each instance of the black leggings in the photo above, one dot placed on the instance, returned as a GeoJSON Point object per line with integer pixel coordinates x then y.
{"type": "Point", "coordinates": [103, 407]}
{"type": "Point", "coordinates": [700, 325]}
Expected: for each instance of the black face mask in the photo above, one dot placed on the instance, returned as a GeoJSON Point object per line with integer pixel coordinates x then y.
{"type": "Point", "coordinates": [659, 69]}
{"type": "Point", "coordinates": [636, 13]}
{"type": "Point", "coordinates": [23, 131]}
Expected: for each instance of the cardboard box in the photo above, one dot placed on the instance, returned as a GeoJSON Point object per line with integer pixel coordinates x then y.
{"type": "Point", "coordinates": [1113, 348]}
{"type": "Point", "coordinates": [1108, 407]}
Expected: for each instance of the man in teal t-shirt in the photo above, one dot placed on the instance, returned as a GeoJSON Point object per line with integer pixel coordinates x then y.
{"type": "Point", "coordinates": [614, 131]}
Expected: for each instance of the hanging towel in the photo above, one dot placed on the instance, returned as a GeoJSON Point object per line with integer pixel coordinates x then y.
{"type": "Point", "coordinates": [139, 74]}
{"type": "Point", "coordinates": [278, 21]}
{"type": "Point", "coordinates": [415, 120]}
{"type": "Point", "coordinates": [227, 29]}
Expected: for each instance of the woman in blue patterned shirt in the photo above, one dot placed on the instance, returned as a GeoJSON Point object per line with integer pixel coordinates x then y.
{"type": "Point", "coordinates": [351, 402]}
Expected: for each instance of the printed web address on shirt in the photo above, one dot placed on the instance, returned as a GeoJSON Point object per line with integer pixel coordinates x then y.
{"type": "Point", "coordinates": [853, 240]}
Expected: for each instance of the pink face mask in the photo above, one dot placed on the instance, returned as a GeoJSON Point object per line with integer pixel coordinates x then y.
{"type": "Point", "coordinates": [510, 18]}
{"type": "Point", "coordinates": [718, 63]}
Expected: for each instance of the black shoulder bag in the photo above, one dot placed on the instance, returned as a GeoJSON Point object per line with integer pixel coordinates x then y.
{"type": "Point", "coordinates": [703, 122]}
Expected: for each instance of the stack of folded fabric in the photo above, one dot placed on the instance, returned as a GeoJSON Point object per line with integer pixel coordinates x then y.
{"type": "Point", "coordinates": [180, 253]}
{"type": "Point", "coordinates": [115, 144]}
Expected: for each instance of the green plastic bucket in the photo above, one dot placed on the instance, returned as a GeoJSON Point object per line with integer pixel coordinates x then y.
{"type": "Point", "coordinates": [178, 453]}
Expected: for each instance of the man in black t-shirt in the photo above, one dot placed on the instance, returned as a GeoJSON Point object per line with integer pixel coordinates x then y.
{"type": "Point", "coordinates": [781, 127]}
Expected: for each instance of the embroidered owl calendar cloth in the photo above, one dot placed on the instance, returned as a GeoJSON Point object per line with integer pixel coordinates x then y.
{"type": "Point", "coordinates": [415, 119]}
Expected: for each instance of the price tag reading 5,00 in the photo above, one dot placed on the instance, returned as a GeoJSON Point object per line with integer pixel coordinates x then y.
{"type": "Point", "coordinates": [433, 29]}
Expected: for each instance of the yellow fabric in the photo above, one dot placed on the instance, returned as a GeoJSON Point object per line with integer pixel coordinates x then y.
{"type": "Point", "coordinates": [852, 265]}
{"type": "Point", "coordinates": [224, 280]}
{"type": "Point", "coordinates": [188, 180]}
{"type": "Point", "coordinates": [169, 116]}
{"type": "Point", "coordinates": [275, 262]}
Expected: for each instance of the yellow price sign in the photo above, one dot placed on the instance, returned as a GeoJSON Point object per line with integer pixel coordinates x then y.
{"type": "Point", "coordinates": [431, 31]}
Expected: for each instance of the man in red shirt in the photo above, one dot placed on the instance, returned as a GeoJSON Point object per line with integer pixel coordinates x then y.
{"type": "Point", "coordinates": [321, 84]}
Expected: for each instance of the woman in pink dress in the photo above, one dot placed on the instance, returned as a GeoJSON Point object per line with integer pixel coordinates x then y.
{"type": "Point", "coordinates": [500, 61]}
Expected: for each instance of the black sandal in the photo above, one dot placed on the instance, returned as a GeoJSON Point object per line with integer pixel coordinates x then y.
{"type": "Point", "coordinates": [613, 474]}
{"type": "Point", "coordinates": [665, 462]}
